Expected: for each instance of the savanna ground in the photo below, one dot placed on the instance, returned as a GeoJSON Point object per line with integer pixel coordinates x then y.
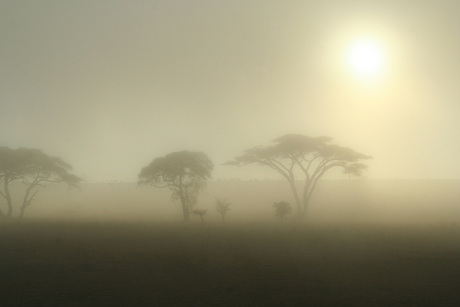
{"type": "Point", "coordinates": [56, 263]}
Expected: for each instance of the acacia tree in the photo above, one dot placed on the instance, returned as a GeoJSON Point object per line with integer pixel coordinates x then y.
{"type": "Point", "coordinates": [183, 172]}
{"type": "Point", "coordinates": [201, 213]}
{"type": "Point", "coordinates": [222, 206]}
{"type": "Point", "coordinates": [33, 168]}
{"type": "Point", "coordinates": [282, 208]}
{"type": "Point", "coordinates": [311, 157]}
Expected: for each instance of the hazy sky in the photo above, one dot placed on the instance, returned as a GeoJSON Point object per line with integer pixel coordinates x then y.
{"type": "Point", "coordinates": [110, 85]}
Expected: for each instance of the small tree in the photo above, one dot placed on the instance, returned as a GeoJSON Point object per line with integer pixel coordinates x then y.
{"type": "Point", "coordinates": [282, 208]}
{"type": "Point", "coordinates": [222, 206]}
{"type": "Point", "coordinates": [183, 172]}
{"type": "Point", "coordinates": [201, 213]}
{"type": "Point", "coordinates": [35, 169]}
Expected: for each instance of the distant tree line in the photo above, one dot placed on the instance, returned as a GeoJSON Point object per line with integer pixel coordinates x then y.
{"type": "Point", "coordinates": [185, 173]}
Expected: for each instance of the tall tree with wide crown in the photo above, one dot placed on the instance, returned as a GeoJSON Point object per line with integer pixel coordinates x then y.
{"type": "Point", "coordinates": [311, 157]}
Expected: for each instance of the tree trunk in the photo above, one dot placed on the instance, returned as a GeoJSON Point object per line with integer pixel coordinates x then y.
{"type": "Point", "coordinates": [25, 202]}
{"type": "Point", "coordinates": [27, 199]}
{"type": "Point", "coordinates": [306, 201]}
{"type": "Point", "coordinates": [185, 210]}
{"type": "Point", "coordinates": [308, 191]}
{"type": "Point", "coordinates": [306, 198]}
{"type": "Point", "coordinates": [9, 203]}
{"type": "Point", "coordinates": [296, 195]}
{"type": "Point", "coordinates": [21, 213]}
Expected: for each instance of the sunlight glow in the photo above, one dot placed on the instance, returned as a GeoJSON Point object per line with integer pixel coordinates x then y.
{"type": "Point", "coordinates": [365, 58]}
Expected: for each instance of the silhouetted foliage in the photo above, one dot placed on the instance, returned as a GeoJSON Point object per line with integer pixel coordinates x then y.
{"type": "Point", "coordinates": [222, 206]}
{"type": "Point", "coordinates": [310, 156]}
{"type": "Point", "coordinates": [183, 172]}
{"type": "Point", "coordinates": [34, 168]}
{"type": "Point", "coordinates": [282, 208]}
{"type": "Point", "coordinates": [201, 213]}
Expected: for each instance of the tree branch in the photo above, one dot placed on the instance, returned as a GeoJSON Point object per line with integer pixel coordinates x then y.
{"type": "Point", "coordinates": [278, 169]}
{"type": "Point", "coordinates": [320, 173]}
{"type": "Point", "coordinates": [31, 198]}
{"type": "Point", "coordinates": [1, 193]}
{"type": "Point", "coordinates": [279, 164]}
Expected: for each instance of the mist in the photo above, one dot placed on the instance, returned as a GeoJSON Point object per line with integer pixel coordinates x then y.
{"type": "Point", "coordinates": [230, 153]}
{"type": "Point", "coordinates": [108, 86]}
{"type": "Point", "coordinates": [361, 201]}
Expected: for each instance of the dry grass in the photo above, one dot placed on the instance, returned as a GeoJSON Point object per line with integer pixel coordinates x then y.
{"type": "Point", "coordinates": [80, 264]}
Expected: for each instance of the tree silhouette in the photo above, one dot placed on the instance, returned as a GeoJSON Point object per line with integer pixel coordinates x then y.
{"type": "Point", "coordinates": [282, 208]}
{"type": "Point", "coordinates": [35, 169]}
{"type": "Point", "coordinates": [222, 206]}
{"type": "Point", "coordinates": [183, 172]}
{"type": "Point", "coordinates": [312, 157]}
{"type": "Point", "coordinates": [201, 213]}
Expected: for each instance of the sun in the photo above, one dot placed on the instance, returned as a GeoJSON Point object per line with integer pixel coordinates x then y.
{"type": "Point", "coordinates": [365, 58]}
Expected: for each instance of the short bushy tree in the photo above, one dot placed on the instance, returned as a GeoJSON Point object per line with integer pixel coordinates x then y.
{"type": "Point", "coordinates": [222, 206]}
{"type": "Point", "coordinates": [200, 213]}
{"type": "Point", "coordinates": [183, 172]}
{"type": "Point", "coordinates": [282, 208]}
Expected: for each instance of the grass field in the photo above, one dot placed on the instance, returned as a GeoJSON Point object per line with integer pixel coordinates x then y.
{"type": "Point", "coordinates": [46, 263]}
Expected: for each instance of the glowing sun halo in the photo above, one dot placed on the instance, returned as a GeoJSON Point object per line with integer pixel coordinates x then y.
{"type": "Point", "coordinates": [365, 58]}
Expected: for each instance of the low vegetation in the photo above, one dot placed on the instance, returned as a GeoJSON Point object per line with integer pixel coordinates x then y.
{"type": "Point", "coordinates": [222, 206]}
{"type": "Point", "coordinates": [201, 213]}
{"type": "Point", "coordinates": [177, 264]}
{"type": "Point", "coordinates": [282, 208]}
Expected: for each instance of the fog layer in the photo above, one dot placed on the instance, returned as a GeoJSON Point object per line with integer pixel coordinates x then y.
{"type": "Point", "coordinates": [110, 85]}
{"type": "Point", "coordinates": [335, 201]}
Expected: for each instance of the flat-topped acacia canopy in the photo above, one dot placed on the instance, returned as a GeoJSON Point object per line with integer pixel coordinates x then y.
{"type": "Point", "coordinates": [183, 172]}
{"type": "Point", "coordinates": [34, 168]}
{"type": "Point", "coordinates": [313, 156]}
